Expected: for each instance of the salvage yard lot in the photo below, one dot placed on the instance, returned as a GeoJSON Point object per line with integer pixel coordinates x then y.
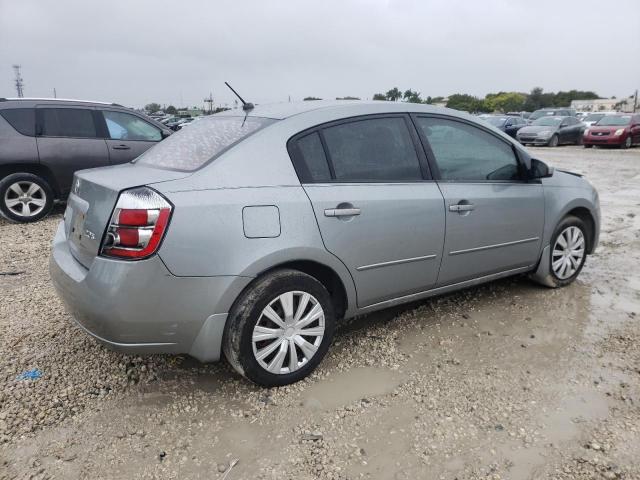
{"type": "Point", "coordinates": [506, 380]}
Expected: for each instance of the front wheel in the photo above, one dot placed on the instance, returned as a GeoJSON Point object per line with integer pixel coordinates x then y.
{"type": "Point", "coordinates": [627, 143]}
{"type": "Point", "coordinates": [569, 251]}
{"type": "Point", "coordinates": [25, 197]}
{"type": "Point", "coordinates": [553, 142]}
{"type": "Point", "coordinates": [280, 328]}
{"type": "Point", "coordinates": [586, 145]}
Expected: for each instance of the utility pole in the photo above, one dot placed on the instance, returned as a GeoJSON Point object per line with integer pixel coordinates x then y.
{"type": "Point", "coordinates": [55, 95]}
{"type": "Point", "coordinates": [209, 100]}
{"type": "Point", "coordinates": [19, 81]}
{"type": "Point", "coordinates": [635, 102]}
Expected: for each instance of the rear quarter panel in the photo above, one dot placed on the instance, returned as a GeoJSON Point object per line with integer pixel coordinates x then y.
{"type": "Point", "coordinates": [16, 148]}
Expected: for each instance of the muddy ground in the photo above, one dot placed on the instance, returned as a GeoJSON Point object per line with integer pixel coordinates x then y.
{"type": "Point", "coordinates": [505, 381]}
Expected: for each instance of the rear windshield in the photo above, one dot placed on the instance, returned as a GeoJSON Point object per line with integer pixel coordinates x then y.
{"type": "Point", "coordinates": [190, 148]}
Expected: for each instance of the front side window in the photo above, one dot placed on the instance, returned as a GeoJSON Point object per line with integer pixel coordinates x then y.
{"type": "Point", "coordinates": [22, 119]}
{"type": "Point", "coordinates": [190, 148]}
{"type": "Point", "coordinates": [124, 126]}
{"type": "Point", "coordinates": [372, 150]}
{"type": "Point", "coordinates": [68, 122]}
{"type": "Point", "coordinates": [466, 153]}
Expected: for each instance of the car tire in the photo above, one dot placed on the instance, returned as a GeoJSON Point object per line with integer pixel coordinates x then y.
{"type": "Point", "coordinates": [565, 231]}
{"type": "Point", "coordinates": [553, 141]}
{"type": "Point", "coordinates": [580, 140]}
{"type": "Point", "coordinates": [587, 145]}
{"type": "Point", "coordinates": [627, 143]}
{"type": "Point", "coordinates": [25, 197]}
{"type": "Point", "coordinates": [269, 361]}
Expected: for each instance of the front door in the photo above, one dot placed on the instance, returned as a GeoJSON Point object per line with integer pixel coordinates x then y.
{"type": "Point", "coordinates": [494, 218]}
{"type": "Point", "coordinates": [377, 210]}
{"type": "Point", "coordinates": [68, 140]}
{"type": "Point", "coordinates": [128, 136]}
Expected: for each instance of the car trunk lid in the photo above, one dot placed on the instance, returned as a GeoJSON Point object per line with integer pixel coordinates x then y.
{"type": "Point", "coordinates": [93, 196]}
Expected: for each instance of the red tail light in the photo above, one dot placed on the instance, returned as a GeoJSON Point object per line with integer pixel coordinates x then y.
{"type": "Point", "coordinates": [137, 225]}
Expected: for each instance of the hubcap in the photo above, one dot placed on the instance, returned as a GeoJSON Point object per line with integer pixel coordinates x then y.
{"type": "Point", "coordinates": [289, 332]}
{"type": "Point", "coordinates": [568, 252]}
{"type": "Point", "coordinates": [25, 199]}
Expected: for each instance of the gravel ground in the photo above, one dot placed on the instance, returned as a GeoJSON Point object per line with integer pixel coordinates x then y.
{"type": "Point", "coordinates": [505, 381]}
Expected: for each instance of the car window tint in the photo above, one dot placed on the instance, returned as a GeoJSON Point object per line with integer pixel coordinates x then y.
{"type": "Point", "coordinates": [22, 119]}
{"type": "Point", "coordinates": [193, 146]}
{"type": "Point", "coordinates": [466, 153]}
{"type": "Point", "coordinates": [315, 161]}
{"type": "Point", "coordinates": [68, 122]}
{"type": "Point", "coordinates": [377, 149]}
{"type": "Point", "coordinates": [124, 126]}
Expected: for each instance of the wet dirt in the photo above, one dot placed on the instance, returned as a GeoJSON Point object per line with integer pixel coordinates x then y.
{"type": "Point", "coordinates": [508, 380]}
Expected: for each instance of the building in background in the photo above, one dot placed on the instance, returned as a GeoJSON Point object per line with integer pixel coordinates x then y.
{"type": "Point", "coordinates": [604, 105]}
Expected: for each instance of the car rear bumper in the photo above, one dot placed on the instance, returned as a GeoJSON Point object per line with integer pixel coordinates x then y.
{"type": "Point", "coordinates": [140, 307]}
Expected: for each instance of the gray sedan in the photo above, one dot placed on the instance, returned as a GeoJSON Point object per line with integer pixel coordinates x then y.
{"type": "Point", "coordinates": [251, 234]}
{"type": "Point", "coordinates": [552, 131]}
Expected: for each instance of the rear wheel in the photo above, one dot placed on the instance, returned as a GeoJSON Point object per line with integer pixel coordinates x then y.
{"type": "Point", "coordinates": [568, 251]}
{"type": "Point", "coordinates": [25, 197]}
{"type": "Point", "coordinates": [553, 142]}
{"type": "Point", "coordinates": [280, 328]}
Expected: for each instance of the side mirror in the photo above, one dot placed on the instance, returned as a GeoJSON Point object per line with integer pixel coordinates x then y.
{"type": "Point", "coordinates": [165, 133]}
{"type": "Point", "coordinates": [539, 169]}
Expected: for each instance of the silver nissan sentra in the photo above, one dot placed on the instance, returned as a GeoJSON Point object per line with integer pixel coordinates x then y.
{"type": "Point", "coordinates": [251, 233]}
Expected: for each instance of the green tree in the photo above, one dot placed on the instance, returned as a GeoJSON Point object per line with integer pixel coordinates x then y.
{"type": "Point", "coordinates": [379, 96]}
{"type": "Point", "coordinates": [505, 101]}
{"type": "Point", "coordinates": [411, 96]}
{"type": "Point", "coordinates": [307, 99]}
{"type": "Point", "coordinates": [394, 94]}
{"type": "Point", "coordinates": [171, 110]}
{"type": "Point", "coordinates": [347, 98]}
{"type": "Point", "coordinates": [152, 107]}
{"type": "Point", "coordinates": [466, 103]}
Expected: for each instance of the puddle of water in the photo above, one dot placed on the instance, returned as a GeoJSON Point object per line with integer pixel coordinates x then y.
{"type": "Point", "coordinates": [346, 387]}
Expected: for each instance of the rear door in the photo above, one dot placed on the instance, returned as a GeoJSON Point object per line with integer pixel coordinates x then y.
{"type": "Point", "coordinates": [377, 208]}
{"type": "Point", "coordinates": [127, 135]}
{"type": "Point", "coordinates": [494, 218]}
{"type": "Point", "coordinates": [68, 140]}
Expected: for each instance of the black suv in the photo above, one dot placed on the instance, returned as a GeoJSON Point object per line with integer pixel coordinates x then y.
{"type": "Point", "coordinates": [44, 141]}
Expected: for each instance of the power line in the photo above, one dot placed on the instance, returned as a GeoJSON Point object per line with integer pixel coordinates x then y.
{"type": "Point", "coordinates": [19, 81]}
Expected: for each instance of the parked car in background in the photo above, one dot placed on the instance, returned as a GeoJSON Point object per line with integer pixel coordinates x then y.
{"type": "Point", "coordinates": [552, 131]}
{"type": "Point", "coordinates": [621, 129]}
{"type": "Point", "coordinates": [592, 118]}
{"type": "Point", "coordinates": [551, 112]}
{"type": "Point", "coordinates": [524, 115]}
{"type": "Point", "coordinates": [44, 141]}
{"type": "Point", "coordinates": [185, 122]}
{"type": "Point", "coordinates": [173, 124]}
{"type": "Point", "coordinates": [344, 209]}
{"type": "Point", "coordinates": [508, 124]}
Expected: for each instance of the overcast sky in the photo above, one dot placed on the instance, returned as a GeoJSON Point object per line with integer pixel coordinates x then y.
{"type": "Point", "coordinates": [176, 52]}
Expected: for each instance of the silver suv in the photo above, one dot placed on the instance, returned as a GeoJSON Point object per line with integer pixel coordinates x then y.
{"type": "Point", "coordinates": [44, 141]}
{"type": "Point", "coordinates": [252, 234]}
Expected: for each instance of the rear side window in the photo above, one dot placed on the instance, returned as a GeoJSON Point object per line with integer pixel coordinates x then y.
{"type": "Point", "coordinates": [191, 147]}
{"type": "Point", "coordinates": [467, 153]}
{"type": "Point", "coordinates": [124, 126]}
{"type": "Point", "coordinates": [22, 119]}
{"type": "Point", "coordinates": [68, 122]}
{"type": "Point", "coordinates": [314, 167]}
{"type": "Point", "coordinates": [372, 150]}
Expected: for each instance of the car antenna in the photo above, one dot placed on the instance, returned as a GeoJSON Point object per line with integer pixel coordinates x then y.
{"type": "Point", "coordinates": [245, 106]}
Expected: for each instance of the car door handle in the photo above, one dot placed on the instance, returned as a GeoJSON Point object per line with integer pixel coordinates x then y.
{"type": "Point", "coordinates": [464, 207]}
{"type": "Point", "coordinates": [341, 212]}
{"type": "Point", "coordinates": [121, 147]}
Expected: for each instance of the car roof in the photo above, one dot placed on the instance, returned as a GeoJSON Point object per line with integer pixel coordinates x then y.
{"type": "Point", "coordinates": [344, 108]}
{"type": "Point", "coordinates": [33, 101]}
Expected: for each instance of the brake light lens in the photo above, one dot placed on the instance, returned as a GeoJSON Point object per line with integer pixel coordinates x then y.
{"type": "Point", "coordinates": [138, 224]}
